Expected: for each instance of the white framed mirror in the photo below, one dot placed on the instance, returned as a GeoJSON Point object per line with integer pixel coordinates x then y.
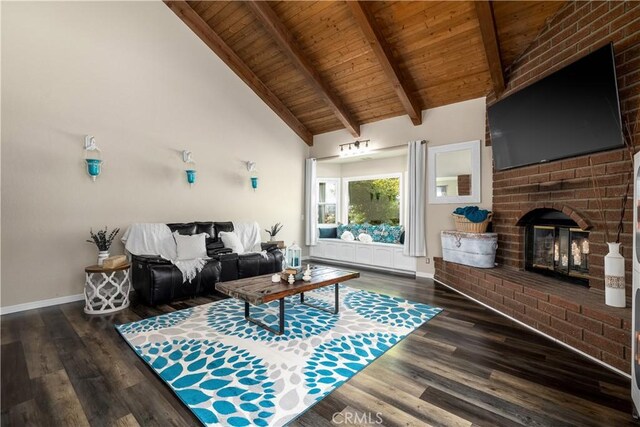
{"type": "Point", "coordinates": [454, 173]}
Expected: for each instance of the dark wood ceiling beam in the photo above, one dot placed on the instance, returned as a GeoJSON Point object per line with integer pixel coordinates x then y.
{"type": "Point", "coordinates": [487, 23]}
{"type": "Point", "coordinates": [383, 53]}
{"type": "Point", "coordinates": [182, 9]}
{"type": "Point", "coordinates": [290, 47]}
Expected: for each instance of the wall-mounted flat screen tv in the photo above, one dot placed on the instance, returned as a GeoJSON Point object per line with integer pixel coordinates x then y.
{"type": "Point", "coordinates": [571, 112]}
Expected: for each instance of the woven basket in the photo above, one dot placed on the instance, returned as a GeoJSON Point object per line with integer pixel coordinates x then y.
{"type": "Point", "coordinates": [464, 225]}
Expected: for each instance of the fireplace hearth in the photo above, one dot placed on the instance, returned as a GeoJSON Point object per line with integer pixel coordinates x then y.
{"type": "Point", "coordinates": [556, 246]}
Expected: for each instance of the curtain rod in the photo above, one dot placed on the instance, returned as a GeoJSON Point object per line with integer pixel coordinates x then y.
{"type": "Point", "coordinates": [393, 147]}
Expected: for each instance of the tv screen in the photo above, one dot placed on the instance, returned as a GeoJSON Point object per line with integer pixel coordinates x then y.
{"type": "Point", "coordinates": [571, 112]}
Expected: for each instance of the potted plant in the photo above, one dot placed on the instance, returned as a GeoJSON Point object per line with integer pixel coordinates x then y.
{"type": "Point", "coordinates": [103, 239]}
{"type": "Point", "coordinates": [275, 229]}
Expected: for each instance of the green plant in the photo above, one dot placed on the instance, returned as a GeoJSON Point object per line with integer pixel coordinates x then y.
{"type": "Point", "coordinates": [275, 229]}
{"type": "Point", "coordinates": [101, 239]}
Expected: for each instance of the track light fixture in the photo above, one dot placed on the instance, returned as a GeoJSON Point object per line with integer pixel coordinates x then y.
{"type": "Point", "coordinates": [355, 148]}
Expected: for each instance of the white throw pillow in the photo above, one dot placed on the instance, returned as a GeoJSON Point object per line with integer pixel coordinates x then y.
{"type": "Point", "coordinates": [191, 247]}
{"type": "Point", "coordinates": [365, 238]}
{"type": "Point", "coordinates": [232, 241]}
{"type": "Point", "coordinates": [347, 236]}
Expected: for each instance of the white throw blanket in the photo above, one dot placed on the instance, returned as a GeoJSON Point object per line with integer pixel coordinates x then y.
{"type": "Point", "coordinates": [249, 235]}
{"type": "Point", "coordinates": [157, 240]}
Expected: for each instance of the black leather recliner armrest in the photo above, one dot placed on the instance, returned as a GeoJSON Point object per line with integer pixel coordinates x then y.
{"type": "Point", "coordinates": [269, 247]}
{"type": "Point", "coordinates": [149, 259]}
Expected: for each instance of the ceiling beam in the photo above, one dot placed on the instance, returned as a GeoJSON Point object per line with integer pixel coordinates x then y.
{"type": "Point", "coordinates": [292, 50]}
{"type": "Point", "coordinates": [383, 53]}
{"type": "Point", "coordinates": [484, 11]}
{"type": "Point", "coordinates": [190, 17]}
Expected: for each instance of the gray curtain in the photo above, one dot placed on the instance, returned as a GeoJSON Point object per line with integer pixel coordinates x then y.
{"type": "Point", "coordinates": [310, 204]}
{"type": "Point", "coordinates": [414, 238]}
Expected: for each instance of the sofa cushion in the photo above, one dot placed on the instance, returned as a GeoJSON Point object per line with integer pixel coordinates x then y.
{"type": "Point", "coordinates": [191, 247]}
{"type": "Point", "coordinates": [231, 241]}
{"type": "Point", "coordinates": [206, 227]}
{"type": "Point", "coordinates": [185, 229]}
{"type": "Point", "coordinates": [328, 233]}
{"type": "Point", "coordinates": [222, 226]}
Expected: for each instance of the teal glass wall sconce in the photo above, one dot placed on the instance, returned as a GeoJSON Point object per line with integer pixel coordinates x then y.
{"type": "Point", "coordinates": [251, 167]}
{"type": "Point", "coordinates": [191, 173]}
{"type": "Point", "coordinates": [92, 157]}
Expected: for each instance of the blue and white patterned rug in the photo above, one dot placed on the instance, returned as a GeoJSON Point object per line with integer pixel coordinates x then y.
{"type": "Point", "coordinates": [231, 372]}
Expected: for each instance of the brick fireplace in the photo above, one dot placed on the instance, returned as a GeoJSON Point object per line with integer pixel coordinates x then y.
{"type": "Point", "coordinates": [572, 314]}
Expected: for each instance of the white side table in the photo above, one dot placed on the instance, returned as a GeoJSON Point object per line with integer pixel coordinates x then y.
{"type": "Point", "coordinates": [106, 289]}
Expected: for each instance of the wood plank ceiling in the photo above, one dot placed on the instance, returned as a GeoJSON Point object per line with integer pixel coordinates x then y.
{"type": "Point", "coordinates": [329, 65]}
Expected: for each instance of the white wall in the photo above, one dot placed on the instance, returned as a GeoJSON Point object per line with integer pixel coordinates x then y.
{"type": "Point", "coordinates": [134, 76]}
{"type": "Point", "coordinates": [460, 122]}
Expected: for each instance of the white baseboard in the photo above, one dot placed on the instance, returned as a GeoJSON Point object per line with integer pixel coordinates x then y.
{"type": "Point", "coordinates": [598, 361]}
{"type": "Point", "coordinates": [39, 304]}
{"type": "Point", "coordinates": [424, 275]}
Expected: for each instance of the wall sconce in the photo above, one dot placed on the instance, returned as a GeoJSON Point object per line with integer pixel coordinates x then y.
{"type": "Point", "coordinates": [92, 157]}
{"type": "Point", "coordinates": [356, 148]}
{"type": "Point", "coordinates": [251, 167]}
{"type": "Point", "coordinates": [191, 173]}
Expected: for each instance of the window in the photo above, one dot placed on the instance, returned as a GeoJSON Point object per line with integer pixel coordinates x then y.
{"type": "Point", "coordinates": [328, 196]}
{"type": "Point", "coordinates": [374, 199]}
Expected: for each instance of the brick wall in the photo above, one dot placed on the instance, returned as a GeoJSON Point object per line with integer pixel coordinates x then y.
{"type": "Point", "coordinates": [577, 29]}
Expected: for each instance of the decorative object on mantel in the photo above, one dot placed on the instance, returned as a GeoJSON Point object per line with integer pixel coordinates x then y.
{"type": "Point", "coordinates": [472, 249]}
{"type": "Point", "coordinates": [275, 229]}
{"type": "Point", "coordinates": [355, 148]}
{"type": "Point", "coordinates": [614, 272]}
{"type": "Point", "coordinates": [472, 219]}
{"type": "Point", "coordinates": [191, 173]}
{"type": "Point", "coordinates": [92, 157]}
{"type": "Point", "coordinates": [251, 167]}
{"type": "Point", "coordinates": [103, 241]}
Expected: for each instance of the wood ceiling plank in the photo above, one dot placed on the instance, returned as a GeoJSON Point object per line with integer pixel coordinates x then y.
{"type": "Point", "coordinates": [233, 61]}
{"type": "Point", "coordinates": [518, 24]}
{"type": "Point", "coordinates": [286, 42]}
{"type": "Point", "coordinates": [383, 53]}
{"type": "Point", "coordinates": [490, 41]}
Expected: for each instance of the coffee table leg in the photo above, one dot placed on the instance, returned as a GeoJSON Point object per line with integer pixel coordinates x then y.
{"type": "Point", "coordinates": [280, 330]}
{"type": "Point", "coordinates": [336, 308]}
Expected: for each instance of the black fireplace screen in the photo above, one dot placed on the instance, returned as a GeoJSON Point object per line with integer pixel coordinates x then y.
{"type": "Point", "coordinates": [562, 250]}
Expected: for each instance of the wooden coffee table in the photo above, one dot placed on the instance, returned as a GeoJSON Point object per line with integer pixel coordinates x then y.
{"type": "Point", "coordinates": [260, 290]}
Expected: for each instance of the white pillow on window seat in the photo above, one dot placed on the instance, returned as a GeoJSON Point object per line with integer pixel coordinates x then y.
{"type": "Point", "coordinates": [347, 236]}
{"type": "Point", "coordinates": [365, 238]}
{"type": "Point", "coordinates": [191, 247]}
{"type": "Point", "coordinates": [232, 241]}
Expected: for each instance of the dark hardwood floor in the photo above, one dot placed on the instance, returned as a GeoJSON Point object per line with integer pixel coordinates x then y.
{"type": "Point", "coordinates": [467, 366]}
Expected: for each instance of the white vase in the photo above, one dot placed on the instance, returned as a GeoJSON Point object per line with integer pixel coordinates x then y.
{"type": "Point", "coordinates": [102, 255]}
{"type": "Point", "coordinates": [614, 280]}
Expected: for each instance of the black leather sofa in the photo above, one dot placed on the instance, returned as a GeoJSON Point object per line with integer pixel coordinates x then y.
{"type": "Point", "coordinates": [157, 281]}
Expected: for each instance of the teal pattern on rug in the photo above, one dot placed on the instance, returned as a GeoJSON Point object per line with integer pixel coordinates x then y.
{"type": "Point", "coordinates": [230, 372]}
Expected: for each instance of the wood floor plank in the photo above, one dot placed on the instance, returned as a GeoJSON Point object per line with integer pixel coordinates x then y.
{"type": "Point", "coordinates": [127, 421]}
{"type": "Point", "coordinates": [467, 366]}
{"type": "Point", "coordinates": [58, 400]}
{"type": "Point", "coordinates": [150, 408]}
{"type": "Point", "coordinates": [14, 376]}
{"type": "Point", "coordinates": [27, 413]}
{"type": "Point", "coordinates": [40, 351]}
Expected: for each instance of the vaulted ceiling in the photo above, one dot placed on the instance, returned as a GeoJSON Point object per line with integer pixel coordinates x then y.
{"type": "Point", "coordinates": [328, 65]}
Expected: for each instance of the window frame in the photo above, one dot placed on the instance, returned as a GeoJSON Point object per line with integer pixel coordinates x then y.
{"type": "Point", "coordinates": [345, 192]}
{"type": "Point", "coordinates": [337, 203]}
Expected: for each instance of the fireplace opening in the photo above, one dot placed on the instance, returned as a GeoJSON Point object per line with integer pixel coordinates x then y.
{"type": "Point", "coordinates": [556, 246]}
